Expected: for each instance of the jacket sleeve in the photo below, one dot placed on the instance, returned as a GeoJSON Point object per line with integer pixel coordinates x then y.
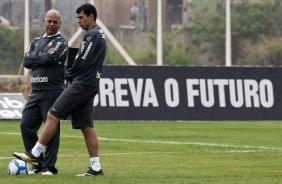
{"type": "Point", "coordinates": [85, 57]}
{"type": "Point", "coordinates": [27, 62]}
{"type": "Point", "coordinates": [53, 56]}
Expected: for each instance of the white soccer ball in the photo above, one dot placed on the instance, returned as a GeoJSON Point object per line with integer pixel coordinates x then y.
{"type": "Point", "coordinates": [17, 167]}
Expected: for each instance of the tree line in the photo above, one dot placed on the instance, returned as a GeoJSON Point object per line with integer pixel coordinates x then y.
{"type": "Point", "coordinates": [256, 40]}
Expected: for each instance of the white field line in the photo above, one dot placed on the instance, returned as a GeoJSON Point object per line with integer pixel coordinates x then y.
{"type": "Point", "coordinates": [246, 151]}
{"type": "Point", "coordinates": [103, 154]}
{"type": "Point", "coordinates": [150, 153]}
{"type": "Point", "coordinates": [5, 158]}
{"type": "Point", "coordinates": [168, 142]}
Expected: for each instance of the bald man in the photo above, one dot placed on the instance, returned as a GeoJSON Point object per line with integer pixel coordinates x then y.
{"type": "Point", "coordinates": [45, 57]}
{"type": "Point", "coordinates": [83, 79]}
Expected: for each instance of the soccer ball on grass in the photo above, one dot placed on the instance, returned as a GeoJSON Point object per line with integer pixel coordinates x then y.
{"type": "Point", "coordinates": [17, 167]}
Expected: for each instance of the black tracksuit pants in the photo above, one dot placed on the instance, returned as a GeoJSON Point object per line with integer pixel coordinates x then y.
{"type": "Point", "coordinates": [34, 113]}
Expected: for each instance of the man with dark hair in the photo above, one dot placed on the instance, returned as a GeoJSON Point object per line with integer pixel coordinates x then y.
{"type": "Point", "coordinates": [45, 57]}
{"type": "Point", "coordinates": [77, 100]}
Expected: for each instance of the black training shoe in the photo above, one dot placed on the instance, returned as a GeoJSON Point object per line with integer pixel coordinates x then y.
{"type": "Point", "coordinates": [34, 171]}
{"type": "Point", "coordinates": [91, 172]}
{"type": "Point", "coordinates": [49, 171]}
{"type": "Point", "coordinates": [27, 157]}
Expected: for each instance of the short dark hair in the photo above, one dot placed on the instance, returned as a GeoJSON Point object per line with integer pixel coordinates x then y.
{"type": "Point", "coordinates": [87, 9]}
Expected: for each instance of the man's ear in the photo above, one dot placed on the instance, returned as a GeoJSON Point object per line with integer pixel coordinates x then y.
{"type": "Point", "coordinates": [92, 16]}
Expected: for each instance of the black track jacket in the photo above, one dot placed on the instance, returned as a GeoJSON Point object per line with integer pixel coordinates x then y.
{"type": "Point", "coordinates": [46, 57]}
{"type": "Point", "coordinates": [87, 66]}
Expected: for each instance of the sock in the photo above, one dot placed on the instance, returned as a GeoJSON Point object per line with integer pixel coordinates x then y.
{"type": "Point", "coordinates": [95, 163]}
{"type": "Point", "coordinates": [37, 149]}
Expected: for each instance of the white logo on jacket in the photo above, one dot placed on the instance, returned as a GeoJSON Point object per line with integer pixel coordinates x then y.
{"type": "Point", "coordinates": [39, 79]}
{"type": "Point", "coordinates": [87, 50]}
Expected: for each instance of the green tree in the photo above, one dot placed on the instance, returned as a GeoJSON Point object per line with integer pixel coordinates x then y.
{"type": "Point", "coordinates": [250, 21]}
{"type": "Point", "coordinates": [11, 50]}
{"type": "Point", "coordinates": [266, 51]}
{"type": "Point", "coordinates": [175, 53]}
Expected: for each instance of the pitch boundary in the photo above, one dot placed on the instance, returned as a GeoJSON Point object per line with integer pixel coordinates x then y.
{"type": "Point", "coordinates": [167, 142]}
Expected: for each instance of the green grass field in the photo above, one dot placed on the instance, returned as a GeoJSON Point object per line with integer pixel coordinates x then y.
{"type": "Point", "coordinates": [241, 152]}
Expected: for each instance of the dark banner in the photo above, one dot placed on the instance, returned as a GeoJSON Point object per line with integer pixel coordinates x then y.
{"type": "Point", "coordinates": [11, 105]}
{"type": "Point", "coordinates": [189, 93]}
